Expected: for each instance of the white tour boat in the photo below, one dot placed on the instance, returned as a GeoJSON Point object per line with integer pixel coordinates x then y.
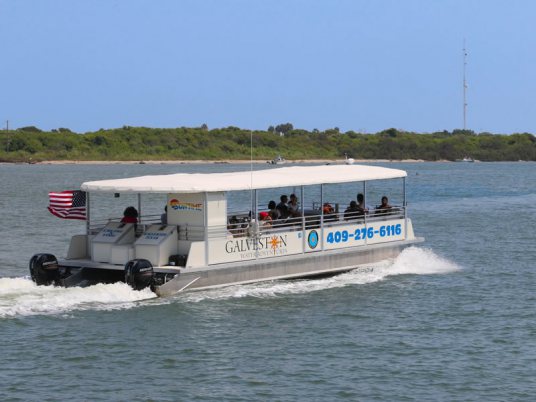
{"type": "Point", "coordinates": [203, 242]}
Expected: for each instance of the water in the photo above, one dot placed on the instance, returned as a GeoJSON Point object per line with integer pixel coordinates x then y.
{"type": "Point", "coordinates": [453, 319]}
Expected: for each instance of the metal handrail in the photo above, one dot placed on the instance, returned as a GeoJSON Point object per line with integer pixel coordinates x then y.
{"type": "Point", "coordinates": [191, 232]}
{"type": "Point", "coordinates": [241, 228]}
{"type": "Point", "coordinates": [308, 221]}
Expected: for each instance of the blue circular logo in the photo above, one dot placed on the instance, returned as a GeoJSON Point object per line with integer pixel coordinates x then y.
{"type": "Point", "coordinates": [312, 239]}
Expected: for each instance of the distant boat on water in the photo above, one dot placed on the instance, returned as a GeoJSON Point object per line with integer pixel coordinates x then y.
{"type": "Point", "coordinates": [348, 161]}
{"type": "Point", "coordinates": [278, 160]}
{"type": "Point", "coordinates": [466, 159]}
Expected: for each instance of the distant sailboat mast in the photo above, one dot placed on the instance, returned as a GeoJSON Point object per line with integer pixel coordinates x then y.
{"type": "Point", "coordinates": [464, 87]}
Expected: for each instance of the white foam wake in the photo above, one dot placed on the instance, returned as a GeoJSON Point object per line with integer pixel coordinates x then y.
{"type": "Point", "coordinates": [22, 297]}
{"type": "Point", "coordinates": [412, 261]}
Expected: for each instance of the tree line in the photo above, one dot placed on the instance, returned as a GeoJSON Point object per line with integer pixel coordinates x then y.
{"type": "Point", "coordinates": [192, 143]}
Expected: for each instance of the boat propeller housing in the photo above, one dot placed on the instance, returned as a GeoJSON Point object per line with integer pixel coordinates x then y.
{"type": "Point", "coordinates": [139, 274]}
{"type": "Point", "coordinates": [44, 269]}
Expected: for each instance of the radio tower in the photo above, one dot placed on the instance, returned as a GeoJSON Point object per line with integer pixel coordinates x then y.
{"type": "Point", "coordinates": [464, 87]}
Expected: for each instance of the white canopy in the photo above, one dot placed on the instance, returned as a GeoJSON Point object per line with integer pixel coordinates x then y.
{"type": "Point", "coordinates": [246, 180]}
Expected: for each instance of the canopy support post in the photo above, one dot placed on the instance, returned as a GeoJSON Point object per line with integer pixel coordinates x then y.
{"type": "Point", "coordinates": [365, 201]}
{"type": "Point", "coordinates": [322, 216]}
{"type": "Point", "coordinates": [88, 226]}
{"type": "Point", "coordinates": [205, 223]}
{"type": "Point", "coordinates": [254, 222]}
{"type": "Point", "coordinates": [302, 218]}
{"type": "Point", "coordinates": [88, 214]}
{"type": "Point", "coordinates": [255, 205]}
{"type": "Point", "coordinates": [405, 203]}
{"type": "Point", "coordinates": [139, 208]}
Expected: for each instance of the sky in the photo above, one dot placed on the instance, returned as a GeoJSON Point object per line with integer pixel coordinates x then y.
{"type": "Point", "coordinates": [362, 65]}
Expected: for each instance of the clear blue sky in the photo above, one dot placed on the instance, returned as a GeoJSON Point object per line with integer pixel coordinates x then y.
{"type": "Point", "coordinates": [353, 64]}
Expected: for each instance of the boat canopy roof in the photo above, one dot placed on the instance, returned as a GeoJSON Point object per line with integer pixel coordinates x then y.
{"type": "Point", "coordinates": [244, 180]}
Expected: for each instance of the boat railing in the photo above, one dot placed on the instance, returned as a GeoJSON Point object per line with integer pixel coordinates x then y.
{"type": "Point", "coordinates": [191, 232]}
{"type": "Point", "coordinates": [239, 223]}
{"type": "Point", "coordinates": [311, 219]}
{"type": "Point", "coordinates": [317, 206]}
{"type": "Point", "coordinates": [97, 225]}
{"type": "Point", "coordinates": [236, 230]}
{"type": "Point", "coordinates": [151, 219]}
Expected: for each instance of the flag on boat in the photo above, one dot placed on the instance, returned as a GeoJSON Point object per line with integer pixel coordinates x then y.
{"type": "Point", "coordinates": [70, 204]}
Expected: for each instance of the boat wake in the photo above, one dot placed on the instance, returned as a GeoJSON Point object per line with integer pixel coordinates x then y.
{"type": "Point", "coordinates": [21, 297]}
{"type": "Point", "coordinates": [412, 261]}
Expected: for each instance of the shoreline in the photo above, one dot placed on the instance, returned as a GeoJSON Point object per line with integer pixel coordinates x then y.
{"type": "Point", "coordinates": [222, 161]}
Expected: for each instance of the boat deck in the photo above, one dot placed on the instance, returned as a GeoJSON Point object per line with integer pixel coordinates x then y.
{"type": "Point", "coordinates": [86, 263]}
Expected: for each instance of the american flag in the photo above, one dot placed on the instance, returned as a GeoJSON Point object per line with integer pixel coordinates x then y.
{"type": "Point", "coordinates": [69, 204]}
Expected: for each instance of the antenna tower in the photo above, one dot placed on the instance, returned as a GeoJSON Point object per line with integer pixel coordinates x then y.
{"type": "Point", "coordinates": [464, 87]}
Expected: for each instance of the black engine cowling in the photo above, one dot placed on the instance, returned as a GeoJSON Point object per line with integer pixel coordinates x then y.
{"type": "Point", "coordinates": [139, 274]}
{"type": "Point", "coordinates": [44, 269]}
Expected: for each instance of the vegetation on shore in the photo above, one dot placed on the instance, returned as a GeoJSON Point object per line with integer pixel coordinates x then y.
{"type": "Point", "coordinates": [140, 143]}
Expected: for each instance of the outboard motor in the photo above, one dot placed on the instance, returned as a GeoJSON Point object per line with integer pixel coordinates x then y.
{"type": "Point", "coordinates": [139, 274]}
{"type": "Point", "coordinates": [44, 269]}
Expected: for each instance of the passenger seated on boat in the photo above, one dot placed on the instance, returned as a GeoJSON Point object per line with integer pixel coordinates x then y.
{"type": "Point", "coordinates": [265, 219]}
{"type": "Point", "coordinates": [294, 217]}
{"type": "Point", "coordinates": [273, 211]}
{"type": "Point", "coordinates": [130, 215]}
{"type": "Point", "coordinates": [384, 208]}
{"type": "Point", "coordinates": [293, 206]}
{"type": "Point", "coordinates": [329, 212]}
{"type": "Point", "coordinates": [364, 209]}
{"type": "Point", "coordinates": [282, 207]}
{"type": "Point", "coordinates": [352, 212]}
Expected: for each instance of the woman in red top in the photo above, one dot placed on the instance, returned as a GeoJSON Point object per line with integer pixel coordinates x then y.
{"type": "Point", "coordinates": [130, 215]}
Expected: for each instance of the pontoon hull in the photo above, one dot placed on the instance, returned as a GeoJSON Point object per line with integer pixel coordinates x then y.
{"type": "Point", "coordinates": [297, 266]}
{"type": "Point", "coordinates": [171, 280]}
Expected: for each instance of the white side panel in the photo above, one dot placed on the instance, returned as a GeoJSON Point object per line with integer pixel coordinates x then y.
{"type": "Point", "coordinates": [185, 209]}
{"type": "Point", "coordinates": [266, 245]}
{"type": "Point", "coordinates": [385, 231]}
{"type": "Point", "coordinates": [196, 255]}
{"type": "Point", "coordinates": [184, 247]}
{"type": "Point", "coordinates": [216, 209]}
{"type": "Point", "coordinates": [359, 234]}
{"type": "Point", "coordinates": [409, 230]}
{"type": "Point", "coordinates": [77, 247]}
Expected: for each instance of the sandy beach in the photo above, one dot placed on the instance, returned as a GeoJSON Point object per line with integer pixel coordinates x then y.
{"type": "Point", "coordinates": [244, 161]}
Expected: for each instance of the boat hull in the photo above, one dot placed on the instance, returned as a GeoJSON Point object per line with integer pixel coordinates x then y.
{"type": "Point", "coordinates": [171, 280]}
{"type": "Point", "coordinates": [298, 266]}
